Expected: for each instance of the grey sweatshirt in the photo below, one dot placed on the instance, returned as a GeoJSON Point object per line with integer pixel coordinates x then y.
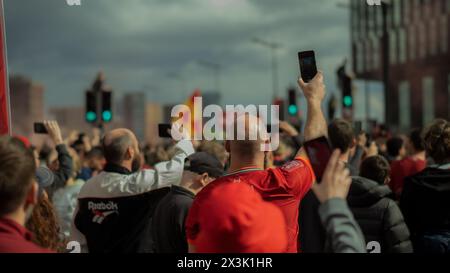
{"type": "Point", "coordinates": [343, 233]}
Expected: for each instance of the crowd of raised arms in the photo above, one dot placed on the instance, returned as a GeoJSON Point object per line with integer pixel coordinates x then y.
{"type": "Point", "coordinates": [110, 193]}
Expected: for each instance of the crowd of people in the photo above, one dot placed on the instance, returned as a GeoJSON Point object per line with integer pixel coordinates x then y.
{"type": "Point", "coordinates": [108, 193]}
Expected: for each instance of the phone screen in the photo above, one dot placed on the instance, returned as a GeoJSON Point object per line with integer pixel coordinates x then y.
{"type": "Point", "coordinates": [308, 66]}
{"type": "Point", "coordinates": [39, 128]}
{"type": "Point", "coordinates": [164, 130]}
{"type": "Point", "coordinates": [357, 127]}
{"type": "Point", "coordinates": [319, 152]}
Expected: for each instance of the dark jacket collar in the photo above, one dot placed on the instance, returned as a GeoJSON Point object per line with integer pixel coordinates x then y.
{"type": "Point", "coordinates": [365, 192]}
{"type": "Point", "coordinates": [114, 168]}
{"type": "Point", "coordinates": [432, 179]}
{"type": "Point", "coordinates": [180, 190]}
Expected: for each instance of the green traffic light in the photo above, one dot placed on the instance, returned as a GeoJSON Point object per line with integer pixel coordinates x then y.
{"type": "Point", "coordinates": [107, 116]}
{"type": "Point", "coordinates": [348, 101]}
{"type": "Point", "coordinates": [91, 116]}
{"type": "Point", "coordinates": [293, 109]}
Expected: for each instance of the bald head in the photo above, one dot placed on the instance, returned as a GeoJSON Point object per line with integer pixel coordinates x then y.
{"type": "Point", "coordinates": [249, 136]}
{"type": "Point", "coordinates": [120, 145]}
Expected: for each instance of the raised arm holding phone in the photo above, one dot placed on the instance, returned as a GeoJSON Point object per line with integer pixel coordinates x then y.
{"type": "Point", "coordinates": [64, 166]}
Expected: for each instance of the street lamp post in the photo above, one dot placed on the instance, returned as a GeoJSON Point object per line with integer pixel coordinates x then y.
{"type": "Point", "coordinates": [273, 48]}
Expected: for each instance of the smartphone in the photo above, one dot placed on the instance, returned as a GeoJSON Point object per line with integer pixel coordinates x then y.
{"type": "Point", "coordinates": [357, 127]}
{"type": "Point", "coordinates": [308, 68]}
{"type": "Point", "coordinates": [319, 152]}
{"type": "Point", "coordinates": [164, 130]}
{"type": "Point", "coordinates": [39, 128]}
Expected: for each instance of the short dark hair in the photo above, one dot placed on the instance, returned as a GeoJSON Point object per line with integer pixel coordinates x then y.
{"type": "Point", "coordinates": [416, 139]}
{"type": "Point", "coordinates": [341, 135]}
{"type": "Point", "coordinates": [394, 145]}
{"type": "Point", "coordinates": [95, 152]}
{"type": "Point", "coordinates": [115, 150]}
{"type": "Point", "coordinates": [17, 168]}
{"type": "Point", "coordinates": [375, 168]}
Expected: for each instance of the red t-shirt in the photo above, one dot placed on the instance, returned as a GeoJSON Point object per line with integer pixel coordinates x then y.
{"type": "Point", "coordinates": [401, 169]}
{"type": "Point", "coordinates": [284, 187]}
{"type": "Point", "coordinates": [14, 238]}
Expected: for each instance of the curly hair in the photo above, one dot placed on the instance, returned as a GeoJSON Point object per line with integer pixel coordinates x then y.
{"type": "Point", "coordinates": [436, 139]}
{"type": "Point", "coordinates": [44, 226]}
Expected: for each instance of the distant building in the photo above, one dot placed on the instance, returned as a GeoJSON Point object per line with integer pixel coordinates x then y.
{"type": "Point", "coordinates": [167, 113]}
{"type": "Point", "coordinates": [419, 56]}
{"type": "Point", "coordinates": [153, 117]}
{"type": "Point", "coordinates": [73, 118]}
{"type": "Point", "coordinates": [70, 118]}
{"type": "Point", "coordinates": [134, 113]}
{"type": "Point", "coordinates": [27, 104]}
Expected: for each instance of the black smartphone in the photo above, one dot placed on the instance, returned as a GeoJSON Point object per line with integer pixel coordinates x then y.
{"type": "Point", "coordinates": [319, 153]}
{"type": "Point", "coordinates": [39, 128]}
{"type": "Point", "coordinates": [164, 130]}
{"type": "Point", "coordinates": [308, 68]}
{"type": "Point", "coordinates": [357, 127]}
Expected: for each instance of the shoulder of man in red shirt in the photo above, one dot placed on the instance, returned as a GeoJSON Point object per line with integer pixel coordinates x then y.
{"type": "Point", "coordinates": [285, 184]}
{"type": "Point", "coordinates": [15, 238]}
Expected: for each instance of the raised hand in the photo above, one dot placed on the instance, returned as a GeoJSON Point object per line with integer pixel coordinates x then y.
{"type": "Point", "coordinates": [54, 131]}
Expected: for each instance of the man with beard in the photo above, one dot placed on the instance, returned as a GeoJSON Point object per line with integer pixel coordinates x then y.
{"type": "Point", "coordinates": [115, 207]}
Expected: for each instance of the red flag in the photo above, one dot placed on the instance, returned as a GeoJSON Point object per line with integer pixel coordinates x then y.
{"type": "Point", "coordinates": [4, 91]}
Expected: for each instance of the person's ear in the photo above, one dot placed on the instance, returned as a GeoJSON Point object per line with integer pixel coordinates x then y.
{"type": "Point", "coordinates": [33, 194]}
{"type": "Point", "coordinates": [130, 153]}
{"type": "Point", "coordinates": [204, 179]}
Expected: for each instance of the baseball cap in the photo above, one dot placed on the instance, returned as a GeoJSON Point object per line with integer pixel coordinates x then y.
{"type": "Point", "coordinates": [24, 140]}
{"type": "Point", "coordinates": [202, 162]}
{"type": "Point", "coordinates": [44, 177]}
{"type": "Point", "coordinates": [235, 219]}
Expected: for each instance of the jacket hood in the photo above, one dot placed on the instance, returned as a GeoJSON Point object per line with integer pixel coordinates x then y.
{"type": "Point", "coordinates": [433, 179]}
{"type": "Point", "coordinates": [365, 192]}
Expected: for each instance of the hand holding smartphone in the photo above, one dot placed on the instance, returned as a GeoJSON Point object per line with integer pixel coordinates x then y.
{"type": "Point", "coordinates": [164, 130]}
{"type": "Point", "coordinates": [39, 128]}
{"type": "Point", "coordinates": [308, 67]}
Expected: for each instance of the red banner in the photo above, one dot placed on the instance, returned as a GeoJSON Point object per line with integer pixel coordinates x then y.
{"type": "Point", "coordinates": [4, 91]}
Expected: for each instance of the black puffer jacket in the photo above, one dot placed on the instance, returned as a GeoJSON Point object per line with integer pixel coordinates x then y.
{"type": "Point", "coordinates": [379, 216]}
{"type": "Point", "coordinates": [425, 202]}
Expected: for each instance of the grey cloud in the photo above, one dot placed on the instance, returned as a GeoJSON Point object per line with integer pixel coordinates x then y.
{"type": "Point", "coordinates": [139, 42]}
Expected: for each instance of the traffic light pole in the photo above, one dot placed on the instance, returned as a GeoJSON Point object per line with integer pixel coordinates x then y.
{"type": "Point", "coordinates": [274, 64]}
{"type": "Point", "coordinates": [99, 123]}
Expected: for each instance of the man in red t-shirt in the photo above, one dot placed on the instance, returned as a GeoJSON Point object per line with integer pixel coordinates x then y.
{"type": "Point", "coordinates": [410, 165]}
{"type": "Point", "coordinates": [283, 186]}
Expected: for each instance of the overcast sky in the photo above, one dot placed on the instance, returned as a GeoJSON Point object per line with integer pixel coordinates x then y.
{"type": "Point", "coordinates": [138, 43]}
